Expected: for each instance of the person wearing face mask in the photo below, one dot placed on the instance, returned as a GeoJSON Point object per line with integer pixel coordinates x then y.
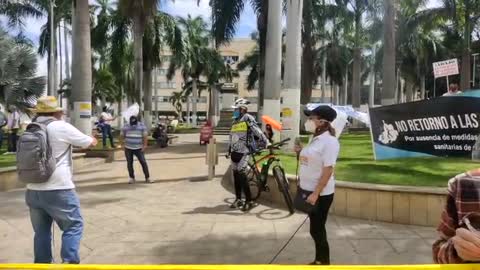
{"type": "Point", "coordinates": [242, 142]}
{"type": "Point", "coordinates": [135, 137]}
{"type": "Point", "coordinates": [316, 174]}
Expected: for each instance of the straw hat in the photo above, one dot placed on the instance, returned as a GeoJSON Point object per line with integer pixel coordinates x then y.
{"type": "Point", "coordinates": [48, 104]}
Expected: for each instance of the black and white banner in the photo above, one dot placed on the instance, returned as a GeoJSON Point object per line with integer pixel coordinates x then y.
{"type": "Point", "coordinates": [445, 126]}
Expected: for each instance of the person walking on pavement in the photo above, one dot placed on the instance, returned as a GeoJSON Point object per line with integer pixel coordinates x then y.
{"type": "Point", "coordinates": [56, 199]}
{"type": "Point", "coordinates": [13, 125]}
{"type": "Point", "coordinates": [135, 137]}
{"type": "Point", "coordinates": [105, 123]}
{"type": "Point", "coordinates": [316, 174]}
{"type": "Point", "coordinates": [242, 143]}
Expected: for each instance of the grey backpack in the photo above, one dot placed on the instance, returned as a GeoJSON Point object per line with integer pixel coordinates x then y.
{"type": "Point", "coordinates": [35, 162]}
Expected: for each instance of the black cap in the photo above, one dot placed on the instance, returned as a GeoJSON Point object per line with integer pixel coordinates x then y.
{"type": "Point", "coordinates": [324, 112]}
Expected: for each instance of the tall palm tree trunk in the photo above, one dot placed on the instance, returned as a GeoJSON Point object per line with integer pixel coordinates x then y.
{"type": "Point", "coordinates": [389, 51]}
{"type": "Point", "coordinates": [82, 70]}
{"type": "Point", "coordinates": [307, 56]}
{"type": "Point", "coordinates": [465, 76]}
{"type": "Point", "coordinates": [138, 56]}
{"type": "Point", "coordinates": [60, 58]}
{"type": "Point", "coordinates": [147, 98]}
{"type": "Point", "coordinates": [262, 30]}
{"type": "Point", "coordinates": [67, 56]}
{"type": "Point", "coordinates": [422, 85]}
{"type": "Point", "coordinates": [292, 72]}
{"type": "Point", "coordinates": [194, 102]}
{"type": "Point", "coordinates": [357, 58]}
{"type": "Point", "coordinates": [273, 60]}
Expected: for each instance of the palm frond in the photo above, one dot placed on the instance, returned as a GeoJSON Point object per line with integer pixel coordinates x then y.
{"type": "Point", "coordinates": [225, 17]}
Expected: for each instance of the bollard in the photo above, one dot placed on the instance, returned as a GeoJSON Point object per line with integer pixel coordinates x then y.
{"type": "Point", "coordinates": [212, 158]}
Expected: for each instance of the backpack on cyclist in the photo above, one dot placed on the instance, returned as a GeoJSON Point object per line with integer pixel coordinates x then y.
{"type": "Point", "coordinates": [35, 162]}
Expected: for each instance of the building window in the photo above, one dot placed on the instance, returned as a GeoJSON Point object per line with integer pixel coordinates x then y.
{"type": "Point", "coordinates": [166, 85]}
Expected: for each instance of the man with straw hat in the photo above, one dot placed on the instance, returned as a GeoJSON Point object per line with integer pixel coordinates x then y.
{"type": "Point", "coordinates": [56, 199]}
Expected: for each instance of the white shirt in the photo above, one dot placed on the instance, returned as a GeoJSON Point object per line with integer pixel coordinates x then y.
{"type": "Point", "coordinates": [321, 152]}
{"type": "Point", "coordinates": [61, 135]}
{"type": "Point", "coordinates": [448, 94]}
{"type": "Point", "coordinates": [106, 117]}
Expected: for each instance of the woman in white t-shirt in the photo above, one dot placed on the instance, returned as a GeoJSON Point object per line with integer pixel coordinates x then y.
{"type": "Point", "coordinates": [317, 162]}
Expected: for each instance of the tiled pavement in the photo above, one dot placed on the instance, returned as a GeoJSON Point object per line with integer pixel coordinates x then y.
{"type": "Point", "coordinates": [184, 218]}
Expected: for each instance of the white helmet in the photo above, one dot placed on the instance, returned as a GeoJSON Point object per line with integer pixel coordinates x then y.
{"type": "Point", "coordinates": [241, 102]}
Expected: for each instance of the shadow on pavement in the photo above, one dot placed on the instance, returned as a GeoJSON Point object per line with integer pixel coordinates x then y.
{"type": "Point", "coordinates": [224, 209]}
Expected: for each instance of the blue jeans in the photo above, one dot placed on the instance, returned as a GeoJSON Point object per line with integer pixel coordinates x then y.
{"type": "Point", "coordinates": [107, 132]}
{"type": "Point", "coordinates": [63, 207]}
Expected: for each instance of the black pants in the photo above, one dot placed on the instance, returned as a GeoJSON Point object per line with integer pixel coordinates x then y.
{"type": "Point", "coordinates": [12, 140]}
{"type": "Point", "coordinates": [318, 219]}
{"type": "Point", "coordinates": [241, 185]}
{"type": "Point", "coordinates": [129, 153]}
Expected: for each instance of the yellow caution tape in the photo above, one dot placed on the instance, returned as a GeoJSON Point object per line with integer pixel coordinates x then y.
{"type": "Point", "coordinates": [238, 267]}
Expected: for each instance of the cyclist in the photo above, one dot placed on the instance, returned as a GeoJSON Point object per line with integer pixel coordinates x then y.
{"type": "Point", "coordinates": [242, 142]}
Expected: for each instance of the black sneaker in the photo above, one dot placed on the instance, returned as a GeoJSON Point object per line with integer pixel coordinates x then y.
{"type": "Point", "coordinates": [247, 206]}
{"type": "Point", "coordinates": [236, 204]}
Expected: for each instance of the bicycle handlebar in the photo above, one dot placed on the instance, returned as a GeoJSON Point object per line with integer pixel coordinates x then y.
{"type": "Point", "coordinates": [272, 146]}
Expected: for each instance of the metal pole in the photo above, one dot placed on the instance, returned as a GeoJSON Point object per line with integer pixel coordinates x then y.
{"type": "Point", "coordinates": [434, 87]}
{"type": "Point", "coordinates": [448, 84]}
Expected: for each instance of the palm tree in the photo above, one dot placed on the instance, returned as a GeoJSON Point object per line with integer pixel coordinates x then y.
{"type": "Point", "coordinates": [18, 64]}
{"type": "Point", "coordinates": [418, 44]}
{"type": "Point", "coordinates": [195, 57]}
{"type": "Point", "coordinates": [273, 60]}
{"type": "Point", "coordinates": [356, 9]}
{"type": "Point", "coordinates": [162, 30]}
{"type": "Point", "coordinates": [463, 14]}
{"type": "Point", "coordinates": [225, 18]}
{"type": "Point", "coordinates": [293, 67]}
{"type": "Point", "coordinates": [82, 70]}
{"type": "Point", "coordinates": [389, 49]}
{"type": "Point", "coordinates": [140, 12]}
{"type": "Point", "coordinates": [17, 11]}
{"type": "Point", "coordinates": [177, 99]}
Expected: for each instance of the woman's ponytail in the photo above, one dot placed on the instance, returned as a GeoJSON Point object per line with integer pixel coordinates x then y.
{"type": "Point", "coordinates": [327, 126]}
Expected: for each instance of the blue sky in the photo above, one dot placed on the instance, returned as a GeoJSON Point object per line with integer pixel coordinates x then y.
{"type": "Point", "coordinates": [246, 26]}
{"type": "Point", "coordinates": [182, 8]}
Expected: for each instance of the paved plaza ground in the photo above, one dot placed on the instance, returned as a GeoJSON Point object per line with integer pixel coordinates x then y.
{"type": "Point", "coordinates": [184, 219]}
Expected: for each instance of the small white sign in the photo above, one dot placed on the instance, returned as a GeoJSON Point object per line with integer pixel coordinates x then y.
{"type": "Point", "coordinates": [445, 68]}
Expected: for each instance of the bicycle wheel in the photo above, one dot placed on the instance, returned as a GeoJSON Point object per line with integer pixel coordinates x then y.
{"type": "Point", "coordinates": [283, 186]}
{"type": "Point", "coordinates": [253, 179]}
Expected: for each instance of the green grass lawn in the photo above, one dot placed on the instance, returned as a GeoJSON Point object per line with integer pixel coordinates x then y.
{"type": "Point", "coordinates": [356, 164]}
{"type": "Point", "coordinates": [6, 161]}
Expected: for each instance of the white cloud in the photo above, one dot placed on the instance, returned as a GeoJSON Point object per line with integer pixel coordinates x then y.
{"type": "Point", "coordinates": [184, 8]}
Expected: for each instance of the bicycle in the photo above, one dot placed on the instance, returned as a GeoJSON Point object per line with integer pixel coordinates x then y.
{"type": "Point", "coordinates": [258, 174]}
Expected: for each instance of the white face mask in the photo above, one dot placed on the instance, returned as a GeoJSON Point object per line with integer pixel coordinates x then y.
{"type": "Point", "coordinates": [310, 126]}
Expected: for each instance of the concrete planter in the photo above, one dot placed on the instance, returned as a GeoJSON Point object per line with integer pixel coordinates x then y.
{"type": "Point", "coordinates": [395, 204]}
